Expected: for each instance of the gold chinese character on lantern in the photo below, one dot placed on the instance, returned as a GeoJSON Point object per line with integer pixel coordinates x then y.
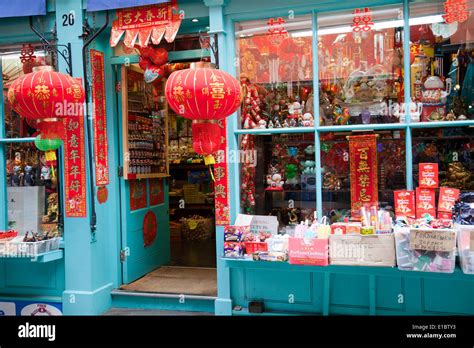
{"type": "Point", "coordinates": [178, 94]}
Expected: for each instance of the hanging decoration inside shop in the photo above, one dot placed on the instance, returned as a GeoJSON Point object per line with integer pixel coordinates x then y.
{"type": "Point", "coordinates": [137, 194]}
{"type": "Point", "coordinates": [156, 192]}
{"type": "Point", "coordinates": [277, 30]}
{"type": "Point", "coordinates": [221, 184]}
{"type": "Point", "coordinates": [140, 24]}
{"type": "Point", "coordinates": [150, 225]}
{"type": "Point", "coordinates": [363, 173]}
{"type": "Point", "coordinates": [102, 194]}
{"type": "Point", "coordinates": [46, 97]}
{"type": "Point", "coordinates": [204, 95]}
{"type": "Point", "coordinates": [27, 54]}
{"type": "Point", "coordinates": [75, 167]}
{"type": "Point", "coordinates": [49, 147]}
{"type": "Point", "coordinates": [362, 20]}
{"type": "Point", "coordinates": [455, 11]}
{"type": "Point", "coordinates": [152, 60]}
{"type": "Point", "coordinates": [248, 175]}
{"type": "Point", "coordinates": [100, 118]}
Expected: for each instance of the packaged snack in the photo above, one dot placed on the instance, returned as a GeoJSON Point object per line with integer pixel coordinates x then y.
{"type": "Point", "coordinates": [428, 175]}
{"type": "Point", "coordinates": [339, 228]}
{"type": "Point", "coordinates": [252, 247]}
{"type": "Point", "coordinates": [235, 233]}
{"type": "Point", "coordinates": [425, 203]}
{"type": "Point", "coordinates": [447, 199]}
{"type": "Point", "coordinates": [233, 250]}
{"type": "Point", "coordinates": [270, 256]}
{"type": "Point", "coordinates": [353, 228]}
{"type": "Point", "coordinates": [444, 216]}
{"type": "Point", "coordinates": [404, 203]}
{"type": "Point", "coordinates": [367, 230]}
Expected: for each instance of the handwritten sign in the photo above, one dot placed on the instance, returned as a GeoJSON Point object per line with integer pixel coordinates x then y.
{"type": "Point", "coordinates": [433, 240]}
{"type": "Point", "coordinates": [260, 225]}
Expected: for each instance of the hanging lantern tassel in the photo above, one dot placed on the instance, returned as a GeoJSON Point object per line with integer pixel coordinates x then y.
{"type": "Point", "coordinates": [50, 157]}
{"type": "Point", "coordinates": [206, 141]}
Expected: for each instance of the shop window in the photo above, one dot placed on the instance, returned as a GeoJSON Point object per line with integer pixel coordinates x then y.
{"type": "Point", "coordinates": [336, 171]}
{"type": "Point", "coordinates": [442, 60]}
{"type": "Point", "coordinates": [278, 175]}
{"type": "Point", "coordinates": [360, 60]}
{"type": "Point", "coordinates": [274, 62]}
{"type": "Point", "coordinates": [451, 149]}
{"type": "Point", "coordinates": [32, 183]}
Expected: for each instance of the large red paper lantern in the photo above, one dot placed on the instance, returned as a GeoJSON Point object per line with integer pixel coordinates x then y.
{"type": "Point", "coordinates": [44, 97]}
{"type": "Point", "coordinates": [204, 95]}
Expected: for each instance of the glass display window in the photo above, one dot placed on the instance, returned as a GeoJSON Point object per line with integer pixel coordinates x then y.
{"type": "Point", "coordinates": [442, 60]}
{"type": "Point", "coordinates": [452, 149]}
{"type": "Point", "coordinates": [360, 65]}
{"type": "Point", "coordinates": [339, 171]}
{"type": "Point", "coordinates": [278, 176]}
{"type": "Point", "coordinates": [274, 59]}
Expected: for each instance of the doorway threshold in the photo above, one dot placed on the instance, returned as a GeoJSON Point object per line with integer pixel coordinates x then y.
{"type": "Point", "coordinates": [171, 281]}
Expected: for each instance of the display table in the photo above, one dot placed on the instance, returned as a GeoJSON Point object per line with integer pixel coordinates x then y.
{"type": "Point", "coordinates": [348, 290]}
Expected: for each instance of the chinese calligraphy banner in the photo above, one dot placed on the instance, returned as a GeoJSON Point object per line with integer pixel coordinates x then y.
{"type": "Point", "coordinates": [144, 23]}
{"type": "Point", "coordinates": [363, 172]}
{"type": "Point", "coordinates": [75, 167]}
{"type": "Point", "coordinates": [100, 119]}
{"type": "Point", "coordinates": [221, 184]}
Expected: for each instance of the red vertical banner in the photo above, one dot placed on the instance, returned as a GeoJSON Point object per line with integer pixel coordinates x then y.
{"type": "Point", "coordinates": [100, 118]}
{"type": "Point", "coordinates": [137, 194]}
{"type": "Point", "coordinates": [364, 179]}
{"type": "Point", "coordinates": [156, 191]}
{"type": "Point", "coordinates": [75, 167]}
{"type": "Point", "coordinates": [221, 184]}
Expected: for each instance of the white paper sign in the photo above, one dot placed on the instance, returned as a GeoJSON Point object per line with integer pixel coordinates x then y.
{"type": "Point", "coordinates": [259, 224]}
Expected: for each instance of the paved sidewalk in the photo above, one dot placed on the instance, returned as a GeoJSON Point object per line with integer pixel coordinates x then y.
{"type": "Point", "coordinates": [135, 311]}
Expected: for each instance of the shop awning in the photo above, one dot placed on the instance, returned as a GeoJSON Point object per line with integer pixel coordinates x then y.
{"type": "Point", "coordinates": [22, 8]}
{"type": "Point", "coordinates": [99, 5]}
{"type": "Point", "coordinates": [139, 25]}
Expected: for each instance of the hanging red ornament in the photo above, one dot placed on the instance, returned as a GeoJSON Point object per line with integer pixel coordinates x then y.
{"type": "Point", "coordinates": [203, 95]}
{"type": "Point", "coordinates": [145, 52]}
{"type": "Point", "coordinates": [153, 74]}
{"type": "Point", "coordinates": [144, 63]}
{"type": "Point", "coordinates": [159, 56]}
{"type": "Point", "coordinates": [47, 97]}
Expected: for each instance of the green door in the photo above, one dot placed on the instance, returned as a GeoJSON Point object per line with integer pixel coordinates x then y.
{"type": "Point", "coordinates": [144, 210]}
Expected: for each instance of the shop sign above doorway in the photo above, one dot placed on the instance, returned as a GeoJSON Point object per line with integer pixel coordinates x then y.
{"type": "Point", "coordinates": [22, 8]}
{"type": "Point", "coordinates": [140, 24]}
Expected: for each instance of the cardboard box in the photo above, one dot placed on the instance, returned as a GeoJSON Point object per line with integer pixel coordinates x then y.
{"type": "Point", "coordinates": [428, 175]}
{"type": "Point", "coordinates": [404, 203]}
{"type": "Point", "coordinates": [447, 198]}
{"type": "Point", "coordinates": [359, 250]}
{"type": "Point", "coordinates": [425, 202]}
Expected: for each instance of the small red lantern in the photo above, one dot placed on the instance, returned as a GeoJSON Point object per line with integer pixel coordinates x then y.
{"type": "Point", "coordinates": [44, 97]}
{"type": "Point", "coordinates": [204, 95]}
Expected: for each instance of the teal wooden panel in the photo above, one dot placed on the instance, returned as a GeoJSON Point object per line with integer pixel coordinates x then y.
{"type": "Point", "coordinates": [31, 275]}
{"type": "Point", "coordinates": [279, 286]}
{"type": "Point", "coordinates": [349, 289]}
{"type": "Point", "coordinates": [448, 297]}
{"type": "Point", "coordinates": [388, 291]}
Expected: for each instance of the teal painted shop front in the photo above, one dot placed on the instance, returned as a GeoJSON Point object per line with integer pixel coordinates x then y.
{"type": "Point", "coordinates": [84, 275]}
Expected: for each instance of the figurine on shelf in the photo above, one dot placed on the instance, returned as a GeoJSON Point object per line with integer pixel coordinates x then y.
{"type": "Point", "coordinates": [275, 182]}
{"type": "Point", "coordinates": [291, 175]}
{"type": "Point", "coordinates": [277, 124]}
{"type": "Point", "coordinates": [17, 176]}
{"type": "Point", "coordinates": [309, 167]}
{"type": "Point", "coordinates": [331, 182]}
{"type": "Point", "coordinates": [262, 124]}
{"type": "Point", "coordinates": [270, 124]}
{"type": "Point", "coordinates": [341, 115]}
{"type": "Point", "coordinates": [29, 177]}
{"type": "Point", "coordinates": [308, 120]}
{"type": "Point", "coordinates": [45, 173]}
{"type": "Point", "coordinates": [52, 213]}
{"type": "Point", "coordinates": [457, 176]}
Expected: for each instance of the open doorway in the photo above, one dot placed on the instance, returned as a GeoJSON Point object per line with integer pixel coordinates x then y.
{"type": "Point", "coordinates": [167, 195]}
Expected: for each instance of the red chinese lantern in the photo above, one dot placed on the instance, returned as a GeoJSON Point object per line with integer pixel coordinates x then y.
{"type": "Point", "coordinates": [44, 97]}
{"type": "Point", "coordinates": [204, 95]}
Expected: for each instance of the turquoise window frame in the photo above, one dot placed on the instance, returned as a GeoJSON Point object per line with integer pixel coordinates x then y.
{"type": "Point", "coordinates": [234, 131]}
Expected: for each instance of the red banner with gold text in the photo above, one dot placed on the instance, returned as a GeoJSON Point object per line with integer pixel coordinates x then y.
{"type": "Point", "coordinates": [75, 167]}
{"type": "Point", "coordinates": [100, 118]}
{"type": "Point", "coordinates": [221, 184]}
{"type": "Point", "coordinates": [364, 179]}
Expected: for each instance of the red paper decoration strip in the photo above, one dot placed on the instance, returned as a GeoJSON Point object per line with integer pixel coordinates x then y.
{"type": "Point", "coordinates": [455, 11]}
{"type": "Point", "coordinates": [137, 194]}
{"type": "Point", "coordinates": [150, 225]}
{"type": "Point", "coordinates": [101, 149]}
{"type": "Point", "coordinates": [221, 184]}
{"type": "Point", "coordinates": [156, 192]}
{"type": "Point", "coordinates": [75, 167]}
{"type": "Point", "coordinates": [364, 179]}
{"type": "Point", "coordinates": [362, 21]}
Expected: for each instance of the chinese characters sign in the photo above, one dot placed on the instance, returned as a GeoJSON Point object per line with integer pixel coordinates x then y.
{"type": "Point", "coordinates": [362, 20]}
{"type": "Point", "coordinates": [75, 167]}
{"type": "Point", "coordinates": [100, 119]}
{"type": "Point", "coordinates": [143, 17]}
{"type": "Point", "coordinates": [455, 11]}
{"type": "Point", "coordinates": [363, 163]}
{"type": "Point", "coordinates": [221, 185]}
{"type": "Point", "coordinates": [137, 194]}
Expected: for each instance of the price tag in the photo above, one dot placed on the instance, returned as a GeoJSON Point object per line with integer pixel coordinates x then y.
{"type": "Point", "coordinates": [433, 240]}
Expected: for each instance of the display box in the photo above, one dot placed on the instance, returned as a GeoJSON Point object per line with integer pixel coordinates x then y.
{"type": "Point", "coordinates": [425, 250]}
{"type": "Point", "coordinates": [404, 203]}
{"type": "Point", "coordinates": [466, 247]}
{"type": "Point", "coordinates": [428, 175]}
{"type": "Point", "coordinates": [447, 197]}
{"type": "Point", "coordinates": [425, 202]}
{"type": "Point", "coordinates": [360, 250]}
{"type": "Point", "coordinates": [308, 251]}
{"type": "Point", "coordinates": [253, 247]}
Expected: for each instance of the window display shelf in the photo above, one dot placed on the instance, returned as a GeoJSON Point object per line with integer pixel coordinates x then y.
{"type": "Point", "coordinates": [40, 258]}
{"type": "Point", "coordinates": [367, 270]}
{"type": "Point", "coordinates": [441, 124]}
{"type": "Point", "coordinates": [269, 131]}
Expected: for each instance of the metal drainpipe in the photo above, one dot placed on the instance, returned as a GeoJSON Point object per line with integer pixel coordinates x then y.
{"type": "Point", "coordinates": [93, 221]}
